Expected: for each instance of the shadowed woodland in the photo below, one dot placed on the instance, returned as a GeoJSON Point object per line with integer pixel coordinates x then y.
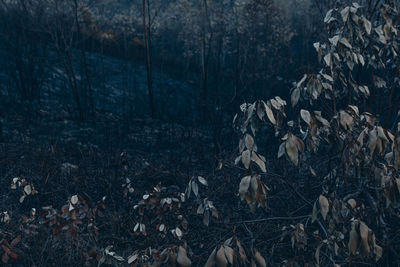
{"type": "Point", "coordinates": [199, 133]}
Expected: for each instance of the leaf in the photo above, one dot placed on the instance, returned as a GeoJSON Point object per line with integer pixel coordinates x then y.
{"type": "Point", "coordinates": [275, 104]}
{"type": "Point", "coordinates": [291, 150]}
{"type": "Point", "coordinates": [327, 77]}
{"type": "Point", "coordinates": [270, 114]}
{"type": "Point", "coordinates": [211, 259]}
{"type": "Point", "coordinates": [355, 110]}
{"type": "Point", "coordinates": [372, 141]}
{"type": "Point", "coordinates": [259, 162]}
{"type": "Point", "coordinates": [260, 110]}
{"type": "Point", "coordinates": [132, 258]}
{"type": "Point", "coordinates": [306, 116]}
{"type": "Point", "coordinates": [28, 189]}
{"type": "Point", "coordinates": [324, 205]}
{"type": "Point", "coordinates": [360, 138]}
{"type": "Point", "coordinates": [178, 232]}
{"type": "Point", "coordinates": [327, 59]}
{"type": "Point", "coordinates": [200, 209]}
{"type": "Point", "coordinates": [334, 40]}
{"type": "Point", "coordinates": [364, 233]}
{"type": "Point", "coordinates": [345, 13]}
{"type": "Point", "coordinates": [352, 203]}
{"type": "Point", "coordinates": [202, 180]}
{"type": "Point", "coordinates": [353, 239]}
{"type": "Point", "coordinates": [259, 259]}
{"type": "Point", "coordinates": [300, 83]}
{"type": "Point", "coordinates": [142, 228]}
{"type": "Point", "coordinates": [229, 254]}
{"type": "Point", "coordinates": [361, 59]}
{"type": "Point", "coordinates": [328, 16]}
{"type": "Point", "coordinates": [206, 218]}
{"type": "Point", "coordinates": [195, 188]}
{"type": "Point", "coordinates": [295, 97]}
{"type": "Point", "coordinates": [378, 252]}
{"type": "Point", "coordinates": [314, 212]}
{"type": "Point", "coordinates": [280, 101]}
{"type": "Point", "coordinates": [244, 186]}
{"type": "Point", "coordinates": [238, 159]}
{"type": "Point", "coordinates": [317, 253]}
{"type": "Point", "coordinates": [220, 258]}
{"type": "Point", "coordinates": [249, 142]}
{"type": "Point", "coordinates": [182, 258]}
{"type": "Point", "coordinates": [317, 46]}
{"type": "Point", "coordinates": [367, 25]}
{"type": "Point", "coordinates": [345, 42]}
{"type": "Point", "coordinates": [299, 144]}
{"type": "Point", "coordinates": [346, 120]}
{"type": "Point", "coordinates": [74, 199]}
{"type": "Point", "coordinates": [242, 253]}
{"type": "Point", "coordinates": [281, 150]}
{"type": "Point", "coordinates": [246, 158]}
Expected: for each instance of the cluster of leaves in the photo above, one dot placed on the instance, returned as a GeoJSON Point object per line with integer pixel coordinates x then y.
{"type": "Point", "coordinates": [171, 256]}
{"type": "Point", "coordinates": [356, 45]}
{"type": "Point", "coordinates": [363, 156]}
{"type": "Point", "coordinates": [27, 188]}
{"type": "Point", "coordinates": [74, 223]}
{"type": "Point", "coordinates": [232, 253]}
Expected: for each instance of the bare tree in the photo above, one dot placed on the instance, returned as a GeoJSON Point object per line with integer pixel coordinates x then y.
{"type": "Point", "coordinates": [147, 41]}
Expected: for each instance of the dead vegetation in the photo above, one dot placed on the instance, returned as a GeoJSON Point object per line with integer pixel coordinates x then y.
{"type": "Point", "coordinates": [313, 182]}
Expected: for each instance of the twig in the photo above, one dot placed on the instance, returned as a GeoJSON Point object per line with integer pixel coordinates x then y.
{"type": "Point", "coordinates": [272, 219]}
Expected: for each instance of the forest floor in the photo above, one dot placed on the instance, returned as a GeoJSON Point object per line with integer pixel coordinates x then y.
{"type": "Point", "coordinates": [103, 155]}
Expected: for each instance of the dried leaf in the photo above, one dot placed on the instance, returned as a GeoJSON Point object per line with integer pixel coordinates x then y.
{"type": "Point", "coordinates": [178, 232]}
{"type": "Point", "coordinates": [202, 180]}
{"type": "Point", "coordinates": [195, 188]}
{"type": "Point", "coordinates": [346, 120]}
{"type": "Point", "coordinates": [367, 25]}
{"type": "Point", "coordinates": [345, 42]}
{"type": "Point", "coordinates": [291, 150]}
{"type": "Point", "coordinates": [246, 158]}
{"type": "Point", "coordinates": [314, 212]}
{"type": "Point", "coordinates": [28, 189]}
{"type": "Point", "coordinates": [345, 13]}
{"type": "Point", "coordinates": [306, 116]}
{"type": "Point", "coordinates": [229, 254]}
{"type": "Point", "coordinates": [328, 16]}
{"type": "Point", "coordinates": [281, 150]}
{"type": "Point", "coordinates": [182, 258]}
{"type": "Point", "coordinates": [244, 186]}
{"type": "Point", "coordinates": [259, 162]}
{"type": "Point", "coordinates": [324, 205]}
{"type": "Point", "coordinates": [242, 253]}
{"type": "Point", "coordinates": [74, 199]}
{"type": "Point", "coordinates": [249, 141]}
{"type": "Point", "coordinates": [270, 114]}
{"type": "Point", "coordinates": [364, 233]}
{"type": "Point", "coordinates": [327, 59]}
{"type": "Point", "coordinates": [220, 258]}
{"type": "Point", "coordinates": [353, 240]}
{"type": "Point", "coordinates": [211, 259]}
{"type": "Point", "coordinates": [334, 40]}
{"type": "Point", "coordinates": [259, 259]}
{"type": "Point", "coordinates": [295, 96]}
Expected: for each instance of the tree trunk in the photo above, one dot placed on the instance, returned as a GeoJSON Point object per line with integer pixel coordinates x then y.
{"type": "Point", "coordinates": [147, 41]}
